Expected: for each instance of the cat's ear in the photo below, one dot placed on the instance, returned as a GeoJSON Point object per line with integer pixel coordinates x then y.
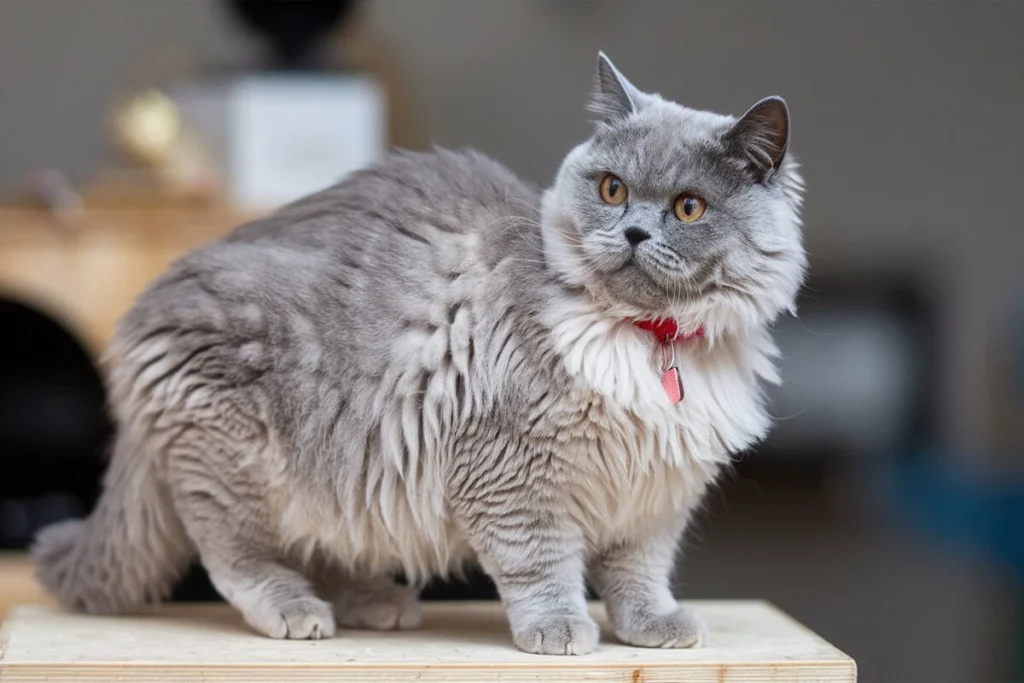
{"type": "Point", "coordinates": [761, 137]}
{"type": "Point", "coordinates": [612, 97]}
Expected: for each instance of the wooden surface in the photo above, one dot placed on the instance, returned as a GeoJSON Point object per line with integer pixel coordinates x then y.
{"type": "Point", "coordinates": [17, 585]}
{"type": "Point", "coordinates": [87, 274]}
{"type": "Point", "coordinates": [749, 641]}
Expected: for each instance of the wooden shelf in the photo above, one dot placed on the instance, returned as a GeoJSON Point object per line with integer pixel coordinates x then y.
{"type": "Point", "coordinates": [750, 641]}
{"type": "Point", "coordinates": [88, 273]}
{"type": "Point", "coordinates": [17, 585]}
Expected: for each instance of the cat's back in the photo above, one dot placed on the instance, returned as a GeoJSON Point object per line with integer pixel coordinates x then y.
{"type": "Point", "coordinates": [332, 285]}
{"type": "Point", "coordinates": [410, 200]}
{"type": "Point", "coordinates": [387, 237]}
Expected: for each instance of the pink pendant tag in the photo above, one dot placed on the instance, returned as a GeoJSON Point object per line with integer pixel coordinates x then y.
{"type": "Point", "coordinates": [672, 383]}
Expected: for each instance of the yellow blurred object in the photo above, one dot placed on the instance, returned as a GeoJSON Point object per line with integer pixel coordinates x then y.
{"type": "Point", "coordinates": [149, 127]}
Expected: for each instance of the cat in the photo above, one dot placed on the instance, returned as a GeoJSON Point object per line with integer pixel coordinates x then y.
{"type": "Point", "coordinates": [432, 364]}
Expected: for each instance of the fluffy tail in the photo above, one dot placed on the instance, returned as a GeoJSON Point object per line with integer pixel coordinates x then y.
{"type": "Point", "coordinates": [127, 553]}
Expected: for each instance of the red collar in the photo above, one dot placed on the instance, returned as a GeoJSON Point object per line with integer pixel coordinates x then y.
{"type": "Point", "coordinates": [666, 330]}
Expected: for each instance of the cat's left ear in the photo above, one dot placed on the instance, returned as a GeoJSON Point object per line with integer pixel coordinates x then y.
{"type": "Point", "coordinates": [761, 137]}
{"type": "Point", "coordinates": [612, 97]}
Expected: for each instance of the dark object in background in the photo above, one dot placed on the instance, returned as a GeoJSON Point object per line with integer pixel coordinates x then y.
{"type": "Point", "coordinates": [292, 27]}
{"type": "Point", "coordinates": [53, 426]}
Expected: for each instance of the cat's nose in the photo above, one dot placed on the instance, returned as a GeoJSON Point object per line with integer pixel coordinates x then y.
{"type": "Point", "coordinates": [636, 235]}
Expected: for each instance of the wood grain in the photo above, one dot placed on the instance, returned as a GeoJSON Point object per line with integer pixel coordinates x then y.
{"type": "Point", "coordinates": [750, 642]}
{"type": "Point", "coordinates": [17, 585]}
{"type": "Point", "coordinates": [86, 275]}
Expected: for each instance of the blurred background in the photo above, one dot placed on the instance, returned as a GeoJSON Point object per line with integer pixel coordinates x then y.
{"type": "Point", "coordinates": [887, 509]}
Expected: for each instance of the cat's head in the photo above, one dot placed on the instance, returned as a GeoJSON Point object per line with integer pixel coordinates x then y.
{"type": "Point", "coordinates": [667, 211]}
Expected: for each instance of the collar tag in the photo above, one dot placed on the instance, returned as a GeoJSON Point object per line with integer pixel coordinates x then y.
{"type": "Point", "coordinates": [666, 331]}
{"type": "Point", "coordinates": [671, 380]}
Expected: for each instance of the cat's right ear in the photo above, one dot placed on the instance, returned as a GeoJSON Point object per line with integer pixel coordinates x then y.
{"type": "Point", "coordinates": [761, 137]}
{"type": "Point", "coordinates": [613, 97]}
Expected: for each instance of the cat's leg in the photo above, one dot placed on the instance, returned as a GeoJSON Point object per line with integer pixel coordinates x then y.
{"type": "Point", "coordinates": [378, 603]}
{"type": "Point", "coordinates": [540, 580]}
{"type": "Point", "coordinates": [224, 514]}
{"type": "Point", "coordinates": [634, 579]}
{"type": "Point", "coordinates": [535, 556]}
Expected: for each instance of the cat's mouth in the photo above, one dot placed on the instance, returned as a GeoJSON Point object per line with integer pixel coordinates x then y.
{"type": "Point", "coordinates": [637, 265]}
{"type": "Point", "coordinates": [630, 281]}
{"type": "Point", "coordinates": [627, 277]}
{"type": "Point", "coordinates": [637, 280]}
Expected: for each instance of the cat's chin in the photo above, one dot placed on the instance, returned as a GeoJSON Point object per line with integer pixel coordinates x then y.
{"type": "Point", "coordinates": [628, 291]}
{"type": "Point", "coordinates": [632, 293]}
{"type": "Point", "coordinates": [639, 284]}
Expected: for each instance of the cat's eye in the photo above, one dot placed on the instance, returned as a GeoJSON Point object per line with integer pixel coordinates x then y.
{"type": "Point", "coordinates": [689, 208]}
{"type": "Point", "coordinates": [613, 190]}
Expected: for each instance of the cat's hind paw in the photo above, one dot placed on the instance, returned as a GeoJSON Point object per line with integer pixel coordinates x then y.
{"type": "Point", "coordinates": [382, 605]}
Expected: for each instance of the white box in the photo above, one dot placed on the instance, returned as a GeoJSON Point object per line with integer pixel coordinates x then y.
{"type": "Point", "coordinates": [278, 137]}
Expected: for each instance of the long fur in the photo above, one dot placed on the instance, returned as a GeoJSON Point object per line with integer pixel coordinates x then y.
{"type": "Point", "coordinates": [430, 365]}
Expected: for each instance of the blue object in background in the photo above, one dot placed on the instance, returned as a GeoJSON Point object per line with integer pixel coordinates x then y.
{"type": "Point", "coordinates": [982, 514]}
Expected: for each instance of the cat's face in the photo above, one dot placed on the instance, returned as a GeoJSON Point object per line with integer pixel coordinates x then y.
{"type": "Point", "coordinates": [670, 212]}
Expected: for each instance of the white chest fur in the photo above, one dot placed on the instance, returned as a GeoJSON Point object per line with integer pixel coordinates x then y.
{"type": "Point", "coordinates": [667, 452]}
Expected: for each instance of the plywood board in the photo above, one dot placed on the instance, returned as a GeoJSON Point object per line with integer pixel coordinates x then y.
{"type": "Point", "coordinates": [17, 585]}
{"type": "Point", "coordinates": [86, 275]}
{"type": "Point", "coordinates": [749, 642]}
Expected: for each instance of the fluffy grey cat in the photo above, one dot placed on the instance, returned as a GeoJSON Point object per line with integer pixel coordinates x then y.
{"type": "Point", "coordinates": [432, 364]}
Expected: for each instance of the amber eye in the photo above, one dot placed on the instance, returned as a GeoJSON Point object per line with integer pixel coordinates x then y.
{"type": "Point", "coordinates": [613, 190]}
{"type": "Point", "coordinates": [689, 208]}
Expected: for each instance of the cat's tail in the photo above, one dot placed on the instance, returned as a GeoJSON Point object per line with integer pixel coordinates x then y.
{"type": "Point", "coordinates": [128, 552]}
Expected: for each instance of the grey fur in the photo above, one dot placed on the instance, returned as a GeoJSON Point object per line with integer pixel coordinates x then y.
{"type": "Point", "coordinates": [428, 365]}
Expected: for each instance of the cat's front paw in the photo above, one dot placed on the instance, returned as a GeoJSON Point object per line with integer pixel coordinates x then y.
{"type": "Point", "coordinates": [681, 628]}
{"type": "Point", "coordinates": [558, 635]}
{"type": "Point", "coordinates": [304, 618]}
